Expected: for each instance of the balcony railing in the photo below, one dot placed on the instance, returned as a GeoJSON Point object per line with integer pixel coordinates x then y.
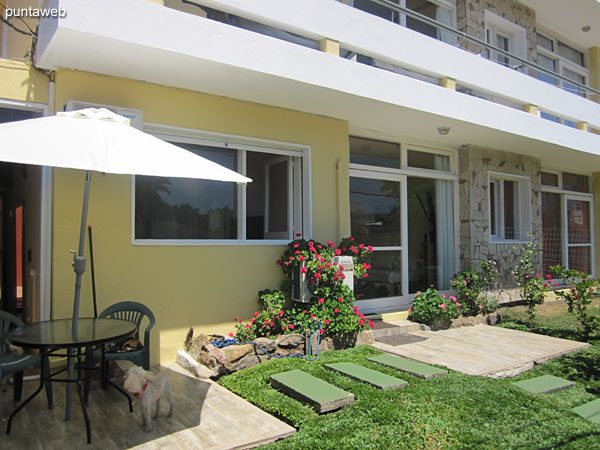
{"type": "Point", "coordinates": [524, 63]}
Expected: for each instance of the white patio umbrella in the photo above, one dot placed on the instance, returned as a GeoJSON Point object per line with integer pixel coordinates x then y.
{"type": "Point", "coordinates": [99, 140]}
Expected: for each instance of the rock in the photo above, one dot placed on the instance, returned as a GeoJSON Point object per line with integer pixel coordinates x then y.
{"type": "Point", "coordinates": [232, 353]}
{"type": "Point", "coordinates": [290, 341]}
{"type": "Point", "coordinates": [250, 360]}
{"type": "Point", "coordinates": [185, 360]}
{"type": "Point", "coordinates": [196, 344]}
{"type": "Point", "coordinates": [365, 338]}
{"type": "Point", "coordinates": [187, 343]}
{"type": "Point", "coordinates": [266, 343]}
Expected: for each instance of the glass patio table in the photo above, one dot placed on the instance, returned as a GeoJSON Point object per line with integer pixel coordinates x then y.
{"type": "Point", "coordinates": [55, 336]}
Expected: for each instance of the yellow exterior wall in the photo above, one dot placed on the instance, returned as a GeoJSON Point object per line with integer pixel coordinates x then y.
{"type": "Point", "coordinates": [20, 82]}
{"type": "Point", "coordinates": [18, 45]}
{"type": "Point", "coordinates": [202, 286]}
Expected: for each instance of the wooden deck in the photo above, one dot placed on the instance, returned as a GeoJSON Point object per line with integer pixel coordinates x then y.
{"type": "Point", "coordinates": [206, 416]}
{"type": "Point", "coordinates": [483, 350]}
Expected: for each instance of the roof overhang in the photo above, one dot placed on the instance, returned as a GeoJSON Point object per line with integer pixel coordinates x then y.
{"type": "Point", "coordinates": [141, 40]}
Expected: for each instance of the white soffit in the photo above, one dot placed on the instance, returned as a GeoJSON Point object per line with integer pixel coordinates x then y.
{"type": "Point", "coordinates": [568, 17]}
{"type": "Point", "coordinates": [140, 40]}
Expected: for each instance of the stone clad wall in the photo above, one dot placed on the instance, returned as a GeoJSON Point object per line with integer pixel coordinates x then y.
{"type": "Point", "coordinates": [475, 245]}
{"type": "Point", "coordinates": [470, 19]}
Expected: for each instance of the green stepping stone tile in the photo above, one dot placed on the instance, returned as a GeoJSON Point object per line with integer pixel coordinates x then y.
{"type": "Point", "coordinates": [366, 375]}
{"type": "Point", "coordinates": [409, 366]}
{"type": "Point", "coordinates": [544, 384]}
{"type": "Point", "coordinates": [590, 411]}
{"type": "Point", "coordinates": [321, 395]}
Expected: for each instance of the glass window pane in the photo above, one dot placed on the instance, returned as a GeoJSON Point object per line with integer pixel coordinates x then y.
{"type": "Point", "coordinates": [550, 64]}
{"type": "Point", "coordinates": [570, 53]}
{"type": "Point", "coordinates": [374, 153]}
{"type": "Point", "coordinates": [578, 222]}
{"type": "Point", "coordinates": [426, 160]}
{"type": "Point", "coordinates": [552, 244]}
{"type": "Point", "coordinates": [545, 42]}
{"type": "Point", "coordinates": [377, 10]}
{"type": "Point", "coordinates": [375, 211]}
{"type": "Point", "coordinates": [267, 196]}
{"type": "Point", "coordinates": [573, 182]}
{"type": "Point", "coordinates": [572, 75]}
{"type": "Point", "coordinates": [181, 208]}
{"type": "Point", "coordinates": [580, 259]}
{"type": "Point", "coordinates": [426, 9]}
{"type": "Point", "coordinates": [549, 179]}
{"type": "Point", "coordinates": [493, 193]}
{"type": "Point", "coordinates": [385, 276]}
{"type": "Point", "coordinates": [511, 230]}
{"type": "Point", "coordinates": [430, 233]}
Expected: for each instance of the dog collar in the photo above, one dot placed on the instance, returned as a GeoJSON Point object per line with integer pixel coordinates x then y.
{"type": "Point", "coordinates": [137, 394]}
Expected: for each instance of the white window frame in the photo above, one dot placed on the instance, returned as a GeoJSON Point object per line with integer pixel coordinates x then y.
{"type": "Point", "coordinates": [522, 207]}
{"type": "Point", "coordinates": [573, 195]}
{"type": "Point", "coordinates": [302, 216]}
{"type": "Point", "coordinates": [517, 38]}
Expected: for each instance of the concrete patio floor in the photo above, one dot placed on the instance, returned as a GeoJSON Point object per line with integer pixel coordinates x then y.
{"type": "Point", "coordinates": [206, 416]}
{"type": "Point", "coordinates": [482, 349]}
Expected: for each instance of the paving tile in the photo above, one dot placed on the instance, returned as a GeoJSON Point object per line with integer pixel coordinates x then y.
{"type": "Point", "coordinates": [368, 376]}
{"type": "Point", "coordinates": [590, 411]}
{"type": "Point", "coordinates": [409, 366]}
{"type": "Point", "coordinates": [545, 384]}
{"type": "Point", "coordinates": [324, 397]}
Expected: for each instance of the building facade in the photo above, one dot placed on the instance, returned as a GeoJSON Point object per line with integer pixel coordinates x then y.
{"type": "Point", "coordinates": [441, 132]}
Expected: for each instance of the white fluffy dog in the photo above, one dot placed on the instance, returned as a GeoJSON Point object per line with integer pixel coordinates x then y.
{"type": "Point", "coordinates": [149, 388]}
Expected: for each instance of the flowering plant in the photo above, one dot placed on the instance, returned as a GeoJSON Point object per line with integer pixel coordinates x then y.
{"type": "Point", "coordinates": [578, 296]}
{"type": "Point", "coordinates": [332, 303]}
{"type": "Point", "coordinates": [431, 306]}
{"type": "Point", "coordinates": [533, 286]}
{"type": "Point", "coordinates": [469, 284]}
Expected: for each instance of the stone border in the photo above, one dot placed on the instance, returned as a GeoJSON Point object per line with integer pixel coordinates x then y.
{"type": "Point", "coordinates": [464, 321]}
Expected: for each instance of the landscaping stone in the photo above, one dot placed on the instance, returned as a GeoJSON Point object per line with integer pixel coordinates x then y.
{"type": "Point", "coordinates": [302, 386]}
{"type": "Point", "coordinates": [590, 411]}
{"type": "Point", "coordinates": [366, 375]}
{"type": "Point", "coordinates": [545, 384]}
{"type": "Point", "coordinates": [409, 366]}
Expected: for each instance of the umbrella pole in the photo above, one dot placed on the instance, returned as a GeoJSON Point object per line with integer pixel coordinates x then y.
{"type": "Point", "coordinates": [79, 268]}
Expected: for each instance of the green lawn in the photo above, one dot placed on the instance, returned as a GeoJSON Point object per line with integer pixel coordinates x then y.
{"type": "Point", "coordinates": [453, 411]}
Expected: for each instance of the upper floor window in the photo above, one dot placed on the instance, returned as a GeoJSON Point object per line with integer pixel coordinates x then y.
{"type": "Point", "coordinates": [439, 10]}
{"type": "Point", "coordinates": [269, 208]}
{"type": "Point", "coordinates": [506, 36]}
{"type": "Point", "coordinates": [558, 57]}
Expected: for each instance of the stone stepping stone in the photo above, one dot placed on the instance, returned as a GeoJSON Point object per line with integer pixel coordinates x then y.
{"type": "Point", "coordinates": [321, 395]}
{"type": "Point", "coordinates": [590, 411]}
{"type": "Point", "coordinates": [366, 375]}
{"type": "Point", "coordinates": [409, 366]}
{"type": "Point", "coordinates": [544, 384]}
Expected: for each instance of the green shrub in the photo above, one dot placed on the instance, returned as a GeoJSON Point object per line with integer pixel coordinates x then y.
{"type": "Point", "coordinates": [431, 306]}
{"type": "Point", "coordinates": [469, 285]}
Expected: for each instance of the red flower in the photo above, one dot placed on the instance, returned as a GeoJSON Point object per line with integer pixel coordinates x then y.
{"type": "Point", "coordinates": [304, 312]}
{"type": "Point", "coordinates": [301, 258]}
{"type": "Point", "coordinates": [321, 300]}
{"type": "Point", "coordinates": [282, 312]}
{"type": "Point", "coordinates": [336, 310]}
{"type": "Point", "coordinates": [336, 278]}
{"type": "Point", "coordinates": [344, 248]}
{"type": "Point", "coordinates": [355, 251]}
{"type": "Point", "coordinates": [252, 320]}
{"type": "Point", "coordinates": [326, 321]}
{"type": "Point", "coordinates": [350, 238]}
{"type": "Point", "coordinates": [311, 244]}
{"type": "Point", "coordinates": [303, 270]}
{"type": "Point", "coordinates": [365, 275]}
{"type": "Point", "coordinates": [291, 326]}
{"type": "Point", "coordinates": [291, 258]}
{"type": "Point", "coordinates": [548, 276]}
{"type": "Point", "coordinates": [312, 316]}
{"type": "Point", "coordinates": [322, 259]}
{"type": "Point", "coordinates": [338, 252]}
{"type": "Point", "coordinates": [283, 327]}
{"type": "Point", "coordinates": [296, 245]}
{"type": "Point", "coordinates": [230, 334]}
{"type": "Point", "coordinates": [362, 322]}
{"type": "Point", "coordinates": [256, 314]}
{"type": "Point", "coordinates": [278, 262]}
{"type": "Point", "coordinates": [355, 308]}
{"type": "Point", "coordinates": [370, 248]}
{"type": "Point", "coordinates": [343, 276]}
{"type": "Point", "coordinates": [537, 275]}
{"type": "Point", "coordinates": [365, 266]}
{"type": "Point", "coordinates": [266, 321]}
{"type": "Point", "coordinates": [340, 299]}
{"type": "Point", "coordinates": [319, 246]}
{"type": "Point", "coordinates": [327, 265]}
{"type": "Point", "coordinates": [317, 275]}
{"type": "Point", "coordinates": [546, 285]}
{"type": "Point", "coordinates": [247, 325]}
{"type": "Point", "coordinates": [297, 252]}
{"type": "Point", "coordinates": [555, 284]}
{"type": "Point", "coordinates": [361, 246]}
{"type": "Point", "coordinates": [371, 324]}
